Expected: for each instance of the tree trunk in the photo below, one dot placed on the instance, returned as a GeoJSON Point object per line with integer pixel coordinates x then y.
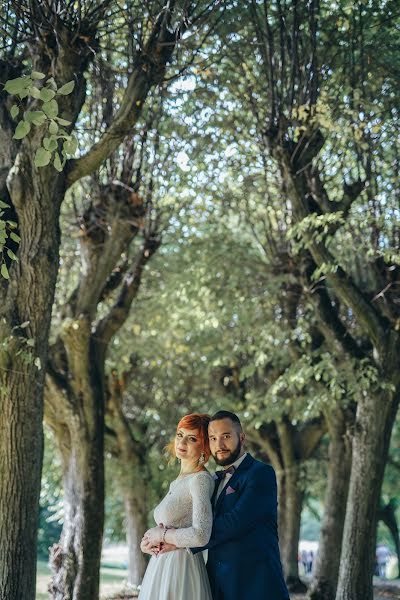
{"type": "Point", "coordinates": [136, 525]}
{"type": "Point", "coordinates": [326, 572]}
{"type": "Point", "coordinates": [26, 297]}
{"type": "Point", "coordinates": [280, 480]}
{"type": "Point", "coordinates": [291, 509]}
{"type": "Point", "coordinates": [132, 476]}
{"type": "Point", "coordinates": [75, 561]}
{"type": "Point", "coordinates": [20, 436]}
{"type": "Point", "coordinates": [287, 446]}
{"type": "Point", "coordinates": [374, 422]}
{"type": "Point", "coordinates": [76, 413]}
{"type": "Point", "coordinates": [290, 521]}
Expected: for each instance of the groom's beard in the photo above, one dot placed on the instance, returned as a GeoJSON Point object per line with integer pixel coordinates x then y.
{"type": "Point", "coordinates": [228, 459]}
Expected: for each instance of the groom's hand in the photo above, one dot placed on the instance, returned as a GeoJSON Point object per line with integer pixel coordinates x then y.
{"type": "Point", "coordinates": [167, 548]}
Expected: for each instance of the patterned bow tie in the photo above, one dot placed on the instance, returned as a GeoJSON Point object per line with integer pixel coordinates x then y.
{"type": "Point", "coordinates": [221, 474]}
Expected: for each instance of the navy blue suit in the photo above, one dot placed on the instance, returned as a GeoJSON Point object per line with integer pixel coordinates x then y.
{"type": "Point", "coordinates": [243, 552]}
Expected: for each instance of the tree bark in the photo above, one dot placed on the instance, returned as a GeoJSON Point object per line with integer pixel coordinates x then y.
{"type": "Point", "coordinates": [21, 447]}
{"type": "Point", "coordinates": [293, 496]}
{"type": "Point", "coordinates": [27, 297]}
{"type": "Point", "coordinates": [132, 476]}
{"type": "Point", "coordinates": [374, 422]}
{"type": "Point", "coordinates": [136, 525]}
{"type": "Point", "coordinates": [75, 561]}
{"type": "Point", "coordinates": [77, 417]}
{"type": "Point", "coordinates": [290, 521]}
{"type": "Point", "coordinates": [323, 586]}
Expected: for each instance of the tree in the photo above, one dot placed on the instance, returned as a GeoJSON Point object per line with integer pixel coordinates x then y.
{"type": "Point", "coordinates": [318, 118]}
{"type": "Point", "coordinates": [61, 42]}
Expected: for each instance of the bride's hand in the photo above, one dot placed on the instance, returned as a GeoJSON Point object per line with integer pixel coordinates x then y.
{"type": "Point", "coordinates": [154, 535]}
{"type": "Point", "coordinates": [147, 548]}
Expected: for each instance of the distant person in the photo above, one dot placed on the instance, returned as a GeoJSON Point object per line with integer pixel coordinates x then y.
{"type": "Point", "coordinates": [382, 558]}
{"type": "Point", "coordinates": [304, 560]}
{"type": "Point", "coordinates": [243, 552]}
{"type": "Point", "coordinates": [310, 560]}
{"type": "Point", "coordinates": [184, 518]}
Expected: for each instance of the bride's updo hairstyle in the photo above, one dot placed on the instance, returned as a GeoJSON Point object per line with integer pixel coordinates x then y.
{"type": "Point", "coordinates": [199, 422]}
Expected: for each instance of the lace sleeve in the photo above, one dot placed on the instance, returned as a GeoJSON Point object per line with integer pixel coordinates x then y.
{"type": "Point", "coordinates": [201, 489]}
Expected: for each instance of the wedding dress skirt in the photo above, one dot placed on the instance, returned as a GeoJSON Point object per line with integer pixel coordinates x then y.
{"type": "Point", "coordinates": [177, 575]}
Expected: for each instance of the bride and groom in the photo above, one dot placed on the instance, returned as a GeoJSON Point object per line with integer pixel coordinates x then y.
{"type": "Point", "coordinates": [232, 515]}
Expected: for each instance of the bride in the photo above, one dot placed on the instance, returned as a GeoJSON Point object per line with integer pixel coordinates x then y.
{"type": "Point", "coordinates": [184, 518]}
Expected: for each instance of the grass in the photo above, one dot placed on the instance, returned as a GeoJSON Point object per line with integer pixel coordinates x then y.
{"type": "Point", "coordinates": [111, 580]}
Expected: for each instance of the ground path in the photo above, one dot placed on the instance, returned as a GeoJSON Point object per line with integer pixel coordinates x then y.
{"type": "Point", "coordinates": [383, 591]}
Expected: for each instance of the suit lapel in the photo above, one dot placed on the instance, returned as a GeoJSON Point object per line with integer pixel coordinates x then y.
{"type": "Point", "coordinates": [242, 468]}
{"type": "Point", "coordinates": [214, 495]}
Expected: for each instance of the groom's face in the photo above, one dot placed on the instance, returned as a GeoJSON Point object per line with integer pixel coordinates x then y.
{"type": "Point", "coordinates": [226, 441]}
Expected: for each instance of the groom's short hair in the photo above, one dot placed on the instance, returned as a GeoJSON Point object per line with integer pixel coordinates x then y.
{"type": "Point", "coordinates": [227, 414]}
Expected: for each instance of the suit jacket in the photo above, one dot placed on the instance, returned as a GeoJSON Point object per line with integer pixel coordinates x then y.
{"type": "Point", "coordinates": [243, 552]}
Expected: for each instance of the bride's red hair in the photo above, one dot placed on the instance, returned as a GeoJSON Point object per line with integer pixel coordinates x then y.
{"type": "Point", "coordinates": [199, 422]}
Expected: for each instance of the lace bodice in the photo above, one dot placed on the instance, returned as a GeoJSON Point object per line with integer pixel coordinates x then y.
{"type": "Point", "coordinates": [187, 507]}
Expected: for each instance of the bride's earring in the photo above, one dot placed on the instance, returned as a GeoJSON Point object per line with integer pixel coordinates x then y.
{"type": "Point", "coordinates": [201, 460]}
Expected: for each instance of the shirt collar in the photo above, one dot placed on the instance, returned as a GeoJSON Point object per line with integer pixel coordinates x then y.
{"type": "Point", "coordinates": [237, 462]}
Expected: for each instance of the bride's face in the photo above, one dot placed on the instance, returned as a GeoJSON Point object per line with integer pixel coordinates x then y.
{"type": "Point", "coordinates": [188, 444]}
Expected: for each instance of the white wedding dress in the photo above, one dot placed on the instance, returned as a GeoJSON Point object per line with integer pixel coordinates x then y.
{"type": "Point", "coordinates": [181, 575]}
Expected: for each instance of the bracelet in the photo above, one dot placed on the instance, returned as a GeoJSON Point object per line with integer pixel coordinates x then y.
{"type": "Point", "coordinates": [163, 535]}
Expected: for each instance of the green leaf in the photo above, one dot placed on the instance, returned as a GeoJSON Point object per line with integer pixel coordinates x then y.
{"type": "Point", "coordinates": [42, 157]}
{"type": "Point", "coordinates": [11, 254]}
{"type": "Point", "coordinates": [17, 85]}
{"type": "Point", "coordinates": [51, 82]}
{"type": "Point", "coordinates": [70, 146]}
{"type": "Point", "coordinates": [4, 205]}
{"type": "Point", "coordinates": [66, 88]}
{"type": "Point", "coordinates": [50, 143]}
{"type": "Point", "coordinates": [46, 95]}
{"type": "Point", "coordinates": [63, 122]}
{"type": "Point", "coordinates": [4, 271]}
{"type": "Point", "coordinates": [15, 237]}
{"type": "Point", "coordinates": [53, 128]}
{"type": "Point", "coordinates": [37, 75]}
{"type": "Point", "coordinates": [23, 128]}
{"type": "Point", "coordinates": [57, 163]}
{"type": "Point", "coordinates": [51, 108]}
{"type": "Point", "coordinates": [34, 92]}
{"type": "Point", "coordinates": [30, 342]}
{"type": "Point", "coordinates": [37, 117]}
{"type": "Point", "coordinates": [37, 363]}
{"type": "Point", "coordinates": [14, 111]}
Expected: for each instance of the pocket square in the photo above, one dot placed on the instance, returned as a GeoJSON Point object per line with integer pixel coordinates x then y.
{"type": "Point", "coordinates": [230, 490]}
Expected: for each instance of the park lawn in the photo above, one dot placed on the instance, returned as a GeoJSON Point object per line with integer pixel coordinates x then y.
{"type": "Point", "coordinates": [111, 580]}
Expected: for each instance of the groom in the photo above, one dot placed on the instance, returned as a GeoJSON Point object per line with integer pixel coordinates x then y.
{"type": "Point", "coordinates": [243, 552]}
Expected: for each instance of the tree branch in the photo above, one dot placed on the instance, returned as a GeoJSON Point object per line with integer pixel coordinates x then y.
{"type": "Point", "coordinates": [119, 312]}
{"type": "Point", "coordinates": [150, 70]}
{"type": "Point", "coordinates": [373, 324]}
{"type": "Point", "coordinates": [330, 323]}
{"type": "Point", "coordinates": [309, 436]}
